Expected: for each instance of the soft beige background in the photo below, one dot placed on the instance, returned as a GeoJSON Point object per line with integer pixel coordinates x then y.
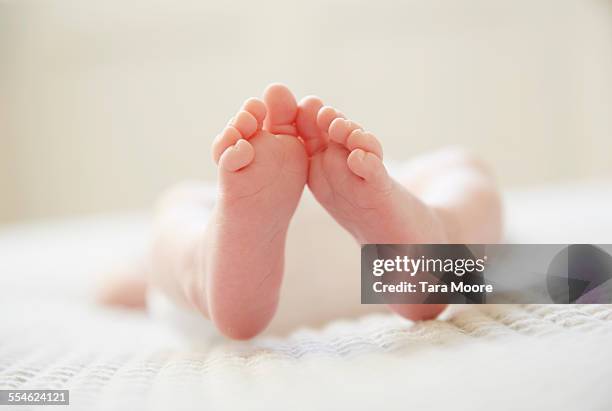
{"type": "Point", "coordinates": [105, 103]}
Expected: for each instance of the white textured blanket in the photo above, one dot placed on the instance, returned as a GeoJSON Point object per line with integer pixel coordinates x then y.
{"type": "Point", "coordinates": [495, 357]}
{"type": "Point", "coordinates": [485, 357]}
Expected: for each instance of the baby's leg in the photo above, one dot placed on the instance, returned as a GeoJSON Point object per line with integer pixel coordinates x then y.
{"type": "Point", "coordinates": [462, 190]}
{"type": "Point", "coordinates": [449, 179]}
{"type": "Point", "coordinates": [463, 193]}
{"type": "Point", "coordinates": [180, 216]}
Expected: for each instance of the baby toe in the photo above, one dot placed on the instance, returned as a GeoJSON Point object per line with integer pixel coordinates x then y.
{"type": "Point", "coordinates": [325, 116]}
{"type": "Point", "coordinates": [306, 123]}
{"type": "Point", "coordinates": [367, 166]}
{"type": "Point", "coordinates": [257, 108]}
{"type": "Point", "coordinates": [245, 123]}
{"type": "Point", "coordinates": [281, 110]}
{"type": "Point", "coordinates": [365, 141]}
{"type": "Point", "coordinates": [238, 156]}
{"type": "Point", "coordinates": [340, 129]}
{"type": "Point", "coordinates": [228, 137]}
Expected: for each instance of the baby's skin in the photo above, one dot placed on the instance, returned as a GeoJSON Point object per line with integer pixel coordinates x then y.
{"type": "Point", "coordinates": [273, 148]}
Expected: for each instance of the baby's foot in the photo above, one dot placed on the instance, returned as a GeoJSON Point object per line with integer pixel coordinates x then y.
{"type": "Point", "coordinates": [262, 172]}
{"type": "Point", "coordinates": [348, 177]}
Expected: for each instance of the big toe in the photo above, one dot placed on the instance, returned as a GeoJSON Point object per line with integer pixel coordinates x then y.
{"type": "Point", "coordinates": [306, 121]}
{"type": "Point", "coordinates": [282, 110]}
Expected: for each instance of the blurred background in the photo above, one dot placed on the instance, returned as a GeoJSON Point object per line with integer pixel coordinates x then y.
{"type": "Point", "coordinates": [103, 104]}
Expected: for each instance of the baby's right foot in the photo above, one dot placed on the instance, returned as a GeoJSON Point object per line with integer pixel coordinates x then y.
{"type": "Point", "coordinates": [262, 172]}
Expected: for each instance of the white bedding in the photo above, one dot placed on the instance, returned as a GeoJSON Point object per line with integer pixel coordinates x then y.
{"type": "Point", "coordinates": [486, 357]}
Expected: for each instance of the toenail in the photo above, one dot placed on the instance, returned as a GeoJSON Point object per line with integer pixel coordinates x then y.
{"type": "Point", "coordinates": [353, 125]}
{"type": "Point", "coordinates": [356, 132]}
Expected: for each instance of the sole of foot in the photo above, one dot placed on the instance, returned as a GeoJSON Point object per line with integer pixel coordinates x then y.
{"type": "Point", "coordinates": [263, 169]}
{"type": "Point", "coordinates": [348, 178]}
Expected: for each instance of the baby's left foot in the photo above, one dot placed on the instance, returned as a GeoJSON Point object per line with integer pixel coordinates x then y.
{"type": "Point", "coordinates": [348, 177]}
